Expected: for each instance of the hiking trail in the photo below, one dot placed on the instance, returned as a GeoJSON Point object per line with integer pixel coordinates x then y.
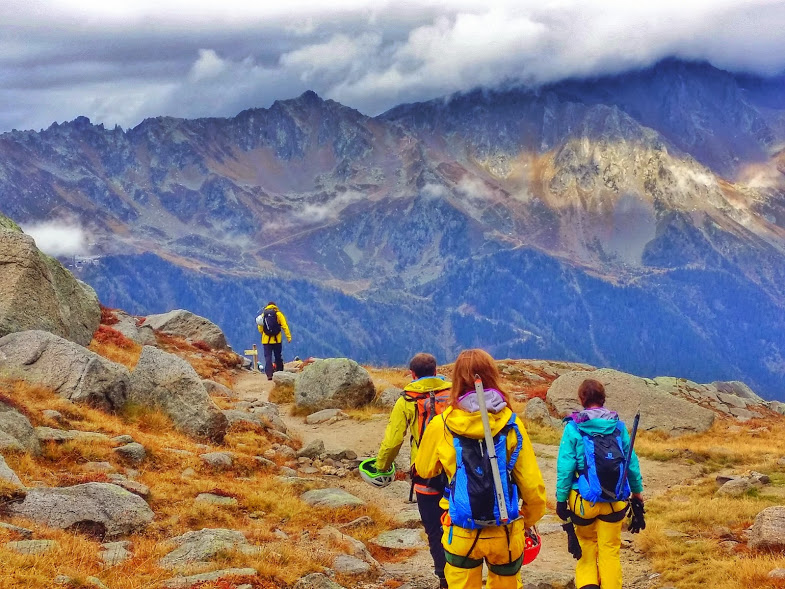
{"type": "Point", "coordinates": [553, 567]}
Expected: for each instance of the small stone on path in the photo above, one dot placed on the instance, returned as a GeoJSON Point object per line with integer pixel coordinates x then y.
{"type": "Point", "coordinates": [400, 539]}
{"type": "Point", "coordinates": [332, 498]}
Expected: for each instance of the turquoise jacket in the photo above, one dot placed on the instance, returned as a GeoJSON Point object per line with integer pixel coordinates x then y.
{"type": "Point", "coordinates": [571, 459]}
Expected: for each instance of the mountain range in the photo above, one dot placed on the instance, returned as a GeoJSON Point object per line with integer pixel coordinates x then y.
{"type": "Point", "coordinates": [634, 221]}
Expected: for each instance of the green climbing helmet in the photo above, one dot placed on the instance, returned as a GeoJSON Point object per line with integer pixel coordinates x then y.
{"type": "Point", "coordinates": [374, 477]}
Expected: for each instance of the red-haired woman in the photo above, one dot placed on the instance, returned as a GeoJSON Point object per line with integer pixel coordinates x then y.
{"type": "Point", "coordinates": [500, 544]}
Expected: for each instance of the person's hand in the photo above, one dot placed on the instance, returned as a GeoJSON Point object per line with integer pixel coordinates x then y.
{"type": "Point", "coordinates": [637, 521]}
{"type": "Point", "coordinates": [289, 340]}
{"type": "Point", "coordinates": [563, 510]}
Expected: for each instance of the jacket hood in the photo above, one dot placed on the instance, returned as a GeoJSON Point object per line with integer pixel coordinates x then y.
{"type": "Point", "coordinates": [494, 401]}
{"type": "Point", "coordinates": [428, 384]}
{"type": "Point", "coordinates": [595, 421]}
{"type": "Point", "coordinates": [270, 307]}
{"type": "Point", "coordinates": [469, 425]}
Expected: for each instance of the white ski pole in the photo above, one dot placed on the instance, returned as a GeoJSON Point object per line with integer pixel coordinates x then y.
{"type": "Point", "coordinates": [486, 426]}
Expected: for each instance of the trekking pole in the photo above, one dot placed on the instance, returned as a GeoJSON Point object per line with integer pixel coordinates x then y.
{"type": "Point", "coordinates": [490, 446]}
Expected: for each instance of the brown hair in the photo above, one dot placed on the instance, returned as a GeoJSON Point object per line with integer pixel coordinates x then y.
{"type": "Point", "coordinates": [423, 364]}
{"type": "Point", "coordinates": [591, 393]}
{"type": "Point", "coordinates": [469, 363]}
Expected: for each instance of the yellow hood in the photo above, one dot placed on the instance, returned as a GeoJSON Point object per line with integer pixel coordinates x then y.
{"type": "Point", "coordinates": [470, 424]}
{"type": "Point", "coordinates": [427, 384]}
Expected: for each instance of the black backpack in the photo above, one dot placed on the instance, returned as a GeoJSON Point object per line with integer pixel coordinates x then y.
{"type": "Point", "coordinates": [270, 325]}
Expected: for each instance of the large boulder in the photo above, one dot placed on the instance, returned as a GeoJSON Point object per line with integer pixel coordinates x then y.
{"type": "Point", "coordinates": [660, 410]}
{"type": "Point", "coordinates": [72, 371]}
{"type": "Point", "coordinates": [333, 383]}
{"type": "Point", "coordinates": [768, 531]}
{"type": "Point", "coordinates": [102, 509]}
{"type": "Point", "coordinates": [16, 431]}
{"type": "Point", "coordinates": [36, 292]}
{"type": "Point", "coordinates": [188, 325]}
{"type": "Point", "coordinates": [169, 383]}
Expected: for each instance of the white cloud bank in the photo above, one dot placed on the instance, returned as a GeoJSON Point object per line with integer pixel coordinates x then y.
{"type": "Point", "coordinates": [120, 62]}
{"type": "Point", "coordinates": [58, 238]}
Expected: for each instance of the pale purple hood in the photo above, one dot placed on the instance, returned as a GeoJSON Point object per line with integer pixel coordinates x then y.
{"type": "Point", "coordinates": [494, 401]}
{"type": "Point", "coordinates": [594, 413]}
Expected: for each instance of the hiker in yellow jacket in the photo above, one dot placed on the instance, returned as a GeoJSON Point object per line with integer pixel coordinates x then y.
{"type": "Point", "coordinates": [501, 547]}
{"type": "Point", "coordinates": [410, 414]}
{"type": "Point", "coordinates": [271, 323]}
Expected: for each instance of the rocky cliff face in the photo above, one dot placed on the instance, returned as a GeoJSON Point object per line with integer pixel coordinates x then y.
{"type": "Point", "coordinates": [36, 292]}
{"type": "Point", "coordinates": [659, 184]}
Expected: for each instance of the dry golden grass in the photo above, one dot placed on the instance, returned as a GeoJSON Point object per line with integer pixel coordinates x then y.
{"type": "Point", "coordinates": [697, 560]}
{"type": "Point", "coordinates": [384, 377]}
{"type": "Point", "coordinates": [282, 394]}
{"type": "Point", "coordinates": [264, 503]}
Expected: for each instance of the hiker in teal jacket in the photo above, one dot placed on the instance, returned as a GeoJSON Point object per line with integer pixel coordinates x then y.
{"type": "Point", "coordinates": [597, 525]}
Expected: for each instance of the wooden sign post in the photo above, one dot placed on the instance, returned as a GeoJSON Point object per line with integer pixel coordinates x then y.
{"type": "Point", "coordinates": [254, 354]}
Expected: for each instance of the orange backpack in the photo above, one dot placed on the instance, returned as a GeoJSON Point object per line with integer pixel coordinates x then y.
{"type": "Point", "coordinates": [429, 405]}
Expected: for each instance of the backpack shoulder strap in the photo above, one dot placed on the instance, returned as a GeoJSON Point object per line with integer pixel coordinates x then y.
{"type": "Point", "coordinates": [513, 425]}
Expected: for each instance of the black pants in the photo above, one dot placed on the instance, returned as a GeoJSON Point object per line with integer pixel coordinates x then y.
{"type": "Point", "coordinates": [431, 516]}
{"type": "Point", "coordinates": [268, 358]}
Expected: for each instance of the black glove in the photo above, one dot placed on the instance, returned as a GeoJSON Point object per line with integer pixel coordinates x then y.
{"type": "Point", "coordinates": [563, 510]}
{"type": "Point", "coordinates": [573, 546]}
{"type": "Point", "coordinates": [637, 521]}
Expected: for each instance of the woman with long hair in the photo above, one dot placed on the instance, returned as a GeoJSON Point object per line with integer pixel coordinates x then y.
{"type": "Point", "coordinates": [459, 429]}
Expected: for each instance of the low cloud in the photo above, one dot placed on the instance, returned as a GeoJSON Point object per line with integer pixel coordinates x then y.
{"type": "Point", "coordinates": [62, 58]}
{"type": "Point", "coordinates": [57, 238]}
{"type": "Point", "coordinates": [321, 212]}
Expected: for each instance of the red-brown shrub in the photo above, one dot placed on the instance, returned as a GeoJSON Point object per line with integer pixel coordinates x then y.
{"type": "Point", "coordinates": [108, 316]}
{"type": "Point", "coordinates": [109, 335]}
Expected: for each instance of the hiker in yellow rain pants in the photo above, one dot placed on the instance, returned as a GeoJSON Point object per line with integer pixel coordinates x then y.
{"type": "Point", "coordinates": [598, 524]}
{"type": "Point", "coordinates": [500, 546]}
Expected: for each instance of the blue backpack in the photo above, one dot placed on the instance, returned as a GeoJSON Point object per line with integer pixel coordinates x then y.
{"type": "Point", "coordinates": [471, 493]}
{"type": "Point", "coordinates": [604, 458]}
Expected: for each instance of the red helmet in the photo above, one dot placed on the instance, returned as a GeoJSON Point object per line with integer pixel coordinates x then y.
{"type": "Point", "coordinates": [532, 547]}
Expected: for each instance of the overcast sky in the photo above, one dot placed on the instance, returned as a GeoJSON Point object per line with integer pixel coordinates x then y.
{"type": "Point", "coordinates": [119, 62]}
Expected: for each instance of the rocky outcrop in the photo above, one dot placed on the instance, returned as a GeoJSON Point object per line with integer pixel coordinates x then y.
{"type": "Point", "coordinates": [768, 531]}
{"type": "Point", "coordinates": [36, 292]}
{"type": "Point", "coordinates": [204, 545]}
{"type": "Point", "coordinates": [660, 410]}
{"type": "Point", "coordinates": [70, 370]}
{"type": "Point", "coordinates": [102, 509]}
{"type": "Point", "coordinates": [16, 431]}
{"type": "Point", "coordinates": [190, 326]}
{"type": "Point", "coordinates": [333, 383]}
{"type": "Point", "coordinates": [169, 383]}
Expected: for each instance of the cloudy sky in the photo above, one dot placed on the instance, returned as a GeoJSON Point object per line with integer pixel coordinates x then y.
{"type": "Point", "coordinates": [119, 62]}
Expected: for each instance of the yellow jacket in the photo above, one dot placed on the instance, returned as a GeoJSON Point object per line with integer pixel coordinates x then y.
{"type": "Point", "coordinates": [275, 339]}
{"type": "Point", "coordinates": [403, 418]}
{"type": "Point", "coordinates": [437, 454]}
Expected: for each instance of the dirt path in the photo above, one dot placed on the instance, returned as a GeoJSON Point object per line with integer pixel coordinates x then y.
{"type": "Point", "coordinates": [554, 562]}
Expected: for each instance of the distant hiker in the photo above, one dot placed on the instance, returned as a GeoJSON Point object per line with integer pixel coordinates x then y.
{"type": "Point", "coordinates": [591, 490]}
{"type": "Point", "coordinates": [454, 443]}
{"type": "Point", "coordinates": [422, 399]}
{"type": "Point", "coordinates": [271, 322]}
